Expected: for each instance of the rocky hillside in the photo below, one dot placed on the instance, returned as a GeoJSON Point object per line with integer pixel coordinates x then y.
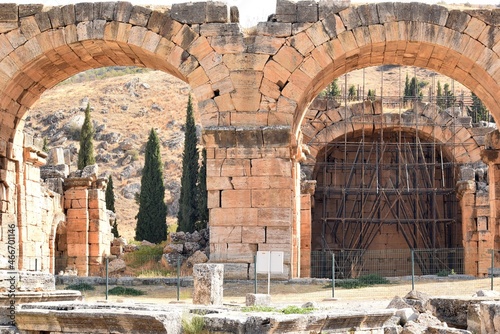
{"type": "Point", "coordinates": [124, 109]}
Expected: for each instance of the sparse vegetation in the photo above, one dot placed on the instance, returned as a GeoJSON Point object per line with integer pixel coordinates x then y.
{"type": "Point", "coordinates": [122, 291]}
{"type": "Point", "coordinates": [192, 324]}
{"type": "Point", "coordinates": [143, 255]}
{"type": "Point", "coordinates": [360, 282]}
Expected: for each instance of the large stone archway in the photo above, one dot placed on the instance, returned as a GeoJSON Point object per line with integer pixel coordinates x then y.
{"type": "Point", "coordinates": [252, 91]}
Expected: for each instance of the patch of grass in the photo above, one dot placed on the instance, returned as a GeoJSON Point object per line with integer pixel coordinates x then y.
{"type": "Point", "coordinates": [192, 325]}
{"type": "Point", "coordinates": [292, 309]}
{"type": "Point", "coordinates": [258, 308]}
{"type": "Point", "coordinates": [121, 291]}
{"type": "Point", "coordinates": [144, 255]}
{"type": "Point", "coordinates": [80, 287]}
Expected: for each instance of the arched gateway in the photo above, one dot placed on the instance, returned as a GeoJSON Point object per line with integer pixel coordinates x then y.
{"type": "Point", "coordinates": [253, 92]}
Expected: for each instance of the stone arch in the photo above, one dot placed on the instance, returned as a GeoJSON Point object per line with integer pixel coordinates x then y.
{"type": "Point", "coordinates": [49, 47]}
{"type": "Point", "coordinates": [431, 125]}
{"type": "Point", "coordinates": [459, 44]}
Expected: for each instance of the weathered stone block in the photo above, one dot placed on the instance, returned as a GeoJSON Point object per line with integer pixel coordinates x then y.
{"type": "Point", "coordinates": [235, 199]}
{"type": "Point", "coordinates": [258, 299]}
{"type": "Point", "coordinates": [123, 10]}
{"type": "Point", "coordinates": [328, 7]}
{"type": "Point", "coordinates": [216, 12]}
{"type": "Point", "coordinates": [208, 284]}
{"type": "Point", "coordinates": [190, 13]}
{"type": "Point", "coordinates": [29, 9]}
{"type": "Point", "coordinates": [275, 29]}
{"type": "Point", "coordinates": [307, 11]}
{"type": "Point", "coordinates": [139, 16]}
{"type": "Point", "coordinates": [226, 234]}
{"type": "Point", "coordinates": [84, 12]}
{"type": "Point", "coordinates": [286, 11]}
{"type": "Point", "coordinates": [8, 12]}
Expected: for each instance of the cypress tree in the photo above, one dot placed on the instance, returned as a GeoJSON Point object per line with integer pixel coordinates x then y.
{"type": "Point", "coordinates": [110, 195]}
{"type": "Point", "coordinates": [202, 192]}
{"type": "Point", "coordinates": [188, 214]}
{"type": "Point", "coordinates": [478, 110]}
{"type": "Point", "coordinates": [86, 152]}
{"type": "Point", "coordinates": [151, 218]}
{"type": "Point", "coordinates": [439, 95]}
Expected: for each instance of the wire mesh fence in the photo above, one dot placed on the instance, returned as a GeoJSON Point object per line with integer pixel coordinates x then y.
{"type": "Point", "coordinates": [343, 274]}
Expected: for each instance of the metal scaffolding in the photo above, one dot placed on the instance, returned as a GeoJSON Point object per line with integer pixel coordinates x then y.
{"type": "Point", "coordinates": [386, 180]}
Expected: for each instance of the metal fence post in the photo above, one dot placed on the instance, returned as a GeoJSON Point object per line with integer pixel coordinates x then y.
{"type": "Point", "coordinates": [412, 270]}
{"type": "Point", "coordinates": [178, 277]}
{"type": "Point", "coordinates": [333, 275]}
{"type": "Point", "coordinates": [492, 266]}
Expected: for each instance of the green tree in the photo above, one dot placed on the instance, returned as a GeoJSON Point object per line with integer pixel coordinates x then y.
{"type": "Point", "coordinates": [371, 94]}
{"type": "Point", "coordinates": [110, 195]}
{"type": "Point", "coordinates": [478, 110]}
{"type": "Point", "coordinates": [86, 152]}
{"type": "Point", "coordinates": [439, 96]}
{"type": "Point", "coordinates": [413, 89]}
{"type": "Point", "coordinates": [332, 90]}
{"type": "Point", "coordinates": [352, 94]}
{"type": "Point", "coordinates": [202, 193]}
{"type": "Point", "coordinates": [188, 209]}
{"type": "Point", "coordinates": [151, 218]}
{"type": "Point", "coordinates": [449, 98]}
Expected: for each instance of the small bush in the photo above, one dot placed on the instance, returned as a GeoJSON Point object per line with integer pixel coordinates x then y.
{"type": "Point", "coordinates": [350, 284]}
{"type": "Point", "coordinates": [121, 291]}
{"type": "Point", "coordinates": [134, 154]}
{"type": "Point", "coordinates": [192, 325]}
{"type": "Point", "coordinates": [80, 287]}
{"type": "Point", "coordinates": [372, 279]}
{"type": "Point", "coordinates": [445, 273]}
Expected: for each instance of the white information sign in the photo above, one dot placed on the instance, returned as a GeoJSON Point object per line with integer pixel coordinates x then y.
{"type": "Point", "coordinates": [269, 262]}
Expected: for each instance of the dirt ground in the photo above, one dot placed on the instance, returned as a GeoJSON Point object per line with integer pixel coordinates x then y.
{"type": "Point", "coordinates": [369, 298]}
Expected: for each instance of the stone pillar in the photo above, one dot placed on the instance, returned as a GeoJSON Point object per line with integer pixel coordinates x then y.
{"type": "Point", "coordinates": [250, 195]}
{"type": "Point", "coordinates": [307, 190]}
{"type": "Point", "coordinates": [35, 230]}
{"type": "Point", "coordinates": [208, 283]}
{"type": "Point", "coordinates": [491, 156]}
{"type": "Point", "coordinates": [99, 231]}
{"type": "Point", "coordinates": [76, 198]}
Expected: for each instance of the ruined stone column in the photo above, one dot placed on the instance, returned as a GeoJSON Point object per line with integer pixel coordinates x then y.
{"type": "Point", "coordinates": [250, 195]}
{"type": "Point", "coordinates": [76, 199]}
{"type": "Point", "coordinates": [491, 156]}
{"type": "Point", "coordinates": [208, 283]}
{"type": "Point", "coordinates": [307, 189]}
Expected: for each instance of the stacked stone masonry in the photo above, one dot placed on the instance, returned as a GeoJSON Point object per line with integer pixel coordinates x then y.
{"type": "Point", "coordinates": [252, 90]}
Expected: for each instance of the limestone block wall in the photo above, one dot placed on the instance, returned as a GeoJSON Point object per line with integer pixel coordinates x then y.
{"type": "Point", "coordinates": [250, 196]}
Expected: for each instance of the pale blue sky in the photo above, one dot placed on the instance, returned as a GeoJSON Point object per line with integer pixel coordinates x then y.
{"type": "Point", "coordinates": [251, 12]}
